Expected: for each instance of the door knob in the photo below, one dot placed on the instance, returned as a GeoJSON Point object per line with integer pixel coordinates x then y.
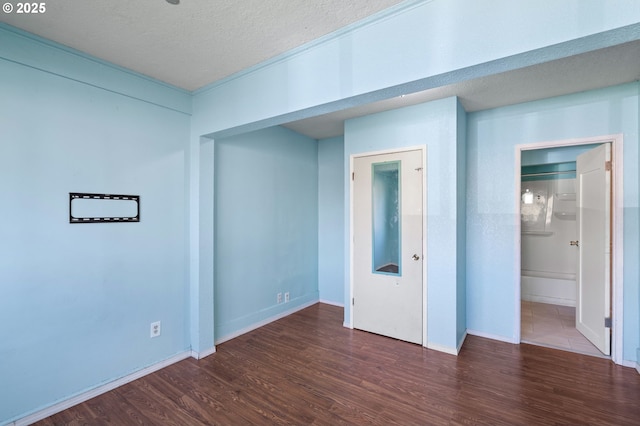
{"type": "Point", "coordinates": [574, 243]}
{"type": "Point", "coordinates": [415, 257]}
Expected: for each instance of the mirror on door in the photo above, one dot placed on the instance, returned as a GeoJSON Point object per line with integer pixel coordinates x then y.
{"type": "Point", "coordinates": [386, 217]}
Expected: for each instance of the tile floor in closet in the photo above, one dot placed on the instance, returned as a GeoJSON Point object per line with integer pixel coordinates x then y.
{"type": "Point", "coordinates": [553, 326]}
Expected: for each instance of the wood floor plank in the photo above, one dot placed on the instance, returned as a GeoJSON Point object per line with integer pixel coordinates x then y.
{"type": "Point", "coordinates": [308, 369]}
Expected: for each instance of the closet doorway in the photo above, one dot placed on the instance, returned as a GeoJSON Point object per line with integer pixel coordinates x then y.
{"type": "Point", "coordinates": [564, 299]}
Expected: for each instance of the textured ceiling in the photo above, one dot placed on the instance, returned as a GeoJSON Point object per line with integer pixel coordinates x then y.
{"type": "Point", "coordinates": [196, 42]}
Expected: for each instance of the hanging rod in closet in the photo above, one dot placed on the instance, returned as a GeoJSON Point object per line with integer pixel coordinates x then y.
{"type": "Point", "coordinates": [548, 173]}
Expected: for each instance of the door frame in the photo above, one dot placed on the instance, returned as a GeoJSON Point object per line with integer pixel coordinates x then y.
{"type": "Point", "coordinates": [352, 157]}
{"type": "Point", "coordinates": [617, 232]}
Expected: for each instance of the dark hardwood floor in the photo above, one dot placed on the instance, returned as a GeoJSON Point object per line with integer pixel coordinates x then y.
{"type": "Point", "coordinates": [309, 369]}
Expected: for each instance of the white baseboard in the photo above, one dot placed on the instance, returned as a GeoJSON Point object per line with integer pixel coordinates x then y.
{"type": "Point", "coordinates": [264, 322]}
{"type": "Point", "coordinates": [347, 325]}
{"type": "Point", "coordinates": [549, 300]}
{"type": "Point", "coordinates": [329, 302]}
{"type": "Point", "coordinates": [203, 354]}
{"type": "Point", "coordinates": [638, 367]}
{"type": "Point", "coordinates": [630, 364]}
{"type": "Point", "coordinates": [464, 337]}
{"type": "Point", "coordinates": [442, 348]}
{"type": "Point", "coordinates": [546, 287]}
{"type": "Point", "coordinates": [492, 336]}
{"type": "Point", "coordinates": [447, 349]}
{"type": "Point", "coordinates": [99, 390]}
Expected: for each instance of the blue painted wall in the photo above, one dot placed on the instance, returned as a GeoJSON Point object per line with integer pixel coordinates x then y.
{"type": "Point", "coordinates": [491, 208]}
{"type": "Point", "coordinates": [415, 46]}
{"type": "Point", "coordinates": [266, 226]}
{"type": "Point", "coordinates": [434, 124]}
{"type": "Point", "coordinates": [330, 220]}
{"type": "Point", "coordinates": [461, 225]}
{"type": "Point", "coordinates": [553, 155]}
{"type": "Point", "coordinates": [83, 103]}
{"type": "Point", "coordinates": [77, 300]}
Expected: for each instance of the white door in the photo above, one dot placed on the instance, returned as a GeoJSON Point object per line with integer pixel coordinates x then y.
{"type": "Point", "coordinates": [387, 245]}
{"type": "Point", "coordinates": [593, 301]}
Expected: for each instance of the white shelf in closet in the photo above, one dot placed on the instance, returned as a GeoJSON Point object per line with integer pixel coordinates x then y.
{"type": "Point", "coordinates": [538, 233]}
{"type": "Point", "coordinates": [566, 196]}
{"type": "Point", "coordinates": [565, 215]}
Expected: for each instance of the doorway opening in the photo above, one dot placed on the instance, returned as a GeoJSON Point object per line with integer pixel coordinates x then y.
{"type": "Point", "coordinates": [554, 299]}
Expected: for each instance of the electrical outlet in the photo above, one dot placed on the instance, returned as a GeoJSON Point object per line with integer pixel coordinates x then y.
{"type": "Point", "coordinates": [155, 329]}
{"type": "Point", "coordinates": [286, 297]}
{"type": "Point", "coordinates": [279, 297]}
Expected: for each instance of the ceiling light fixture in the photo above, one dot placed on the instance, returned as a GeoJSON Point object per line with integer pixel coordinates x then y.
{"type": "Point", "coordinates": [173, 1]}
{"type": "Point", "coordinates": [527, 197]}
